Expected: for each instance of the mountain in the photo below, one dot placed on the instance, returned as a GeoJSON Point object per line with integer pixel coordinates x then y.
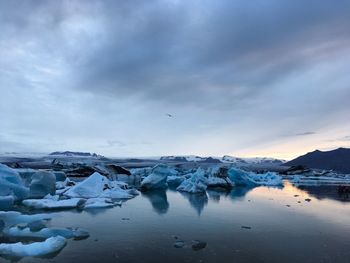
{"type": "Point", "coordinates": [225, 159]}
{"type": "Point", "coordinates": [75, 154]}
{"type": "Point", "coordinates": [337, 160]}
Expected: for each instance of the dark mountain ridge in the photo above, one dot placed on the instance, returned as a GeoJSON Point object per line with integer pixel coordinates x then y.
{"type": "Point", "coordinates": [337, 160]}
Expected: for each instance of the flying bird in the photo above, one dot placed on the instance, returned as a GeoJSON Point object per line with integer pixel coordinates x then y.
{"type": "Point", "coordinates": [169, 115]}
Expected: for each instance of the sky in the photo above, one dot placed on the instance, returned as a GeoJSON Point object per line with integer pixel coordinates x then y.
{"type": "Point", "coordinates": [242, 78]}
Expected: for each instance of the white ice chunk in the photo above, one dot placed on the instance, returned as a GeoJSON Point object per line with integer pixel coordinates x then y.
{"type": "Point", "coordinates": [197, 183]}
{"type": "Point", "coordinates": [53, 204]}
{"type": "Point", "coordinates": [116, 193]}
{"type": "Point", "coordinates": [98, 203]}
{"type": "Point", "coordinates": [50, 245]}
{"type": "Point", "coordinates": [91, 187]}
{"type": "Point", "coordinates": [46, 232]}
{"type": "Point", "coordinates": [12, 218]}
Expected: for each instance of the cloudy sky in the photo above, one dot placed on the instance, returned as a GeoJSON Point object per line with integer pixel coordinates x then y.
{"type": "Point", "coordinates": [245, 78]}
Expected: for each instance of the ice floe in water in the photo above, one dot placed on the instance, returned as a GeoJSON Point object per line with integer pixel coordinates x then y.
{"type": "Point", "coordinates": [36, 249]}
{"type": "Point", "coordinates": [98, 203]}
{"type": "Point", "coordinates": [42, 184]}
{"type": "Point", "coordinates": [244, 178]}
{"type": "Point", "coordinates": [91, 187]}
{"type": "Point", "coordinates": [11, 183]}
{"type": "Point", "coordinates": [157, 179]}
{"type": "Point", "coordinates": [54, 203]}
{"type": "Point", "coordinates": [12, 218]}
{"type": "Point", "coordinates": [46, 232]}
{"type": "Point", "coordinates": [196, 183]}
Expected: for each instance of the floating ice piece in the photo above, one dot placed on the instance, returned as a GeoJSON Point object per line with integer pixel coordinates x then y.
{"type": "Point", "coordinates": [46, 232]}
{"type": "Point", "coordinates": [60, 176]}
{"type": "Point", "coordinates": [197, 183]}
{"type": "Point", "coordinates": [91, 187]}
{"type": "Point", "coordinates": [62, 184]}
{"type": "Point", "coordinates": [12, 218]}
{"type": "Point", "coordinates": [6, 202]}
{"type": "Point", "coordinates": [54, 204]}
{"type": "Point", "coordinates": [175, 180]}
{"type": "Point", "coordinates": [219, 182]}
{"type": "Point", "coordinates": [11, 183]}
{"type": "Point", "coordinates": [116, 193]}
{"type": "Point", "coordinates": [333, 179]}
{"type": "Point", "coordinates": [50, 245]}
{"type": "Point", "coordinates": [157, 179]}
{"type": "Point", "coordinates": [243, 178]}
{"type": "Point", "coordinates": [98, 203]}
{"type": "Point", "coordinates": [42, 183]}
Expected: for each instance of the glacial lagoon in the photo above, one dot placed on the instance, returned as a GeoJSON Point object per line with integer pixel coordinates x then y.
{"type": "Point", "coordinates": [262, 224]}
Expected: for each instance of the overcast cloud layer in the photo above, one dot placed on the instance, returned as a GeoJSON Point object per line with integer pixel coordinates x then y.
{"type": "Point", "coordinates": [264, 78]}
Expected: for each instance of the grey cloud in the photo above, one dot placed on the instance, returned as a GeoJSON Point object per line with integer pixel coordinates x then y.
{"type": "Point", "coordinates": [252, 70]}
{"type": "Point", "coordinates": [305, 133]}
{"type": "Point", "coordinates": [345, 138]}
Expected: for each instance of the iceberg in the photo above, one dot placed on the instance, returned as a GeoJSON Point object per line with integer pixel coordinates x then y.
{"type": "Point", "coordinates": [50, 245]}
{"type": "Point", "coordinates": [157, 179]}
{"type": "Point", "coordinates": [11, 183]}
{"type": "Point", "coordinates": [196, 183]}
{"type": "Point", "coordinates": [42, 183]}
{"type": "Point", "coordinates": [91, 187]}
{"type": "Point", "coordinates": [243, 178]}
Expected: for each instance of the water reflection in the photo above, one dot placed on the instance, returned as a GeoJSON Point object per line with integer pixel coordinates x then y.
{"type": "Point", "coordinates": [326, 192]}
{"type": "Point", "coordinates": [158, 200]}
{"type": "Point", "coordinates": [215, 194]}
{"type": "Point", "coordinates": [197, 201]}
{"type": "Point", "coordinates": [238, 193]}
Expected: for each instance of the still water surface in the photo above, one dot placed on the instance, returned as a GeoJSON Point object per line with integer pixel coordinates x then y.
{"type": "Point", "coordinates": [246, 225]}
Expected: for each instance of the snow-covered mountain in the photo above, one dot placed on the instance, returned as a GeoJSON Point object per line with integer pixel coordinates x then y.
{"type": "Point", "coordinates": [75, 154]}
{"type": "Point", "coordinates": [224, 159]}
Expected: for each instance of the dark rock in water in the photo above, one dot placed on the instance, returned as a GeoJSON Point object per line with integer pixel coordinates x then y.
{"type": "Point", "coordinates": [83, 171]}
{"type": "Point", "coordinates": [118, 169]}
{"type": "Point", "coordinates": [14, 165]}
{"type": "Point", "coordinates": [246, 227]}
{"type": "Point", "coordinates": [81, 204]}
{"type": "Point", "coordinates": [297, 169]}
{"type": "Point", "coordinates": [198, 245]}
{"type": "Point", "coordinates": [337, 160]}
{"type": "Point", "coordinates": [179, 244]}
